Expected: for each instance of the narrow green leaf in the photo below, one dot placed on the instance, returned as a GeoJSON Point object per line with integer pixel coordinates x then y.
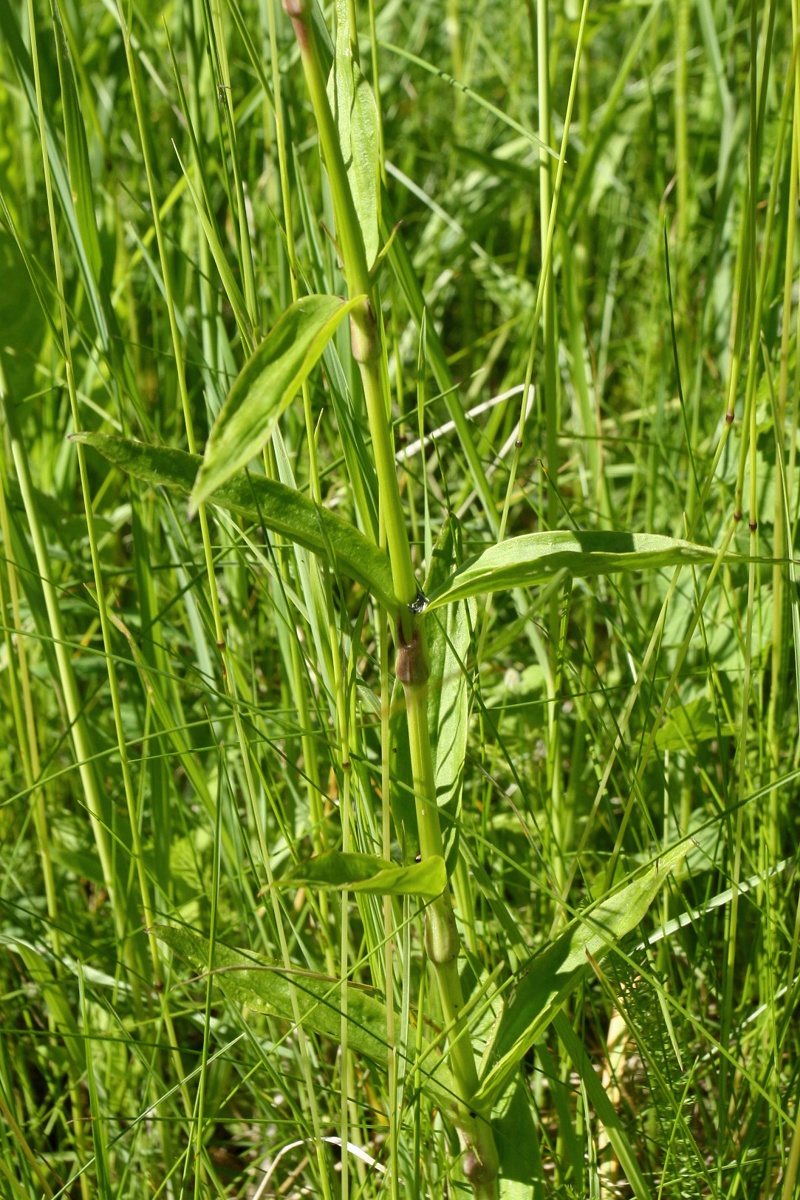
{"type": "Point", "coordinates": [356, 115]}
{"type": "Point", "coordinates": [80, 175]}
{"type": "Point", "coordinates": [266, 385]}
{"type": "Point", "coordinates": [448, 693]}
{"type": "Point", "coordinates": [534, 557]}
{"type": "Point", "coordinates": [99, 1126]}
{"type": "Point", "coordinates": [371, 874]}
{"type": "Point", "coordinates": [557, 970]}
{"type": "Point", "coordinates": [266, 987]}
{"type": "Point", "coordinates": [521, 1173]}
{"type": "Point", "coordinates": [602, 1106]}
{"type": "Point", "coordinates": [274, 505]}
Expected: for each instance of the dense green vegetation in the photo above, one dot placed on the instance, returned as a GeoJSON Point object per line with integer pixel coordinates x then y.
{"type": "Point", "coordinates": [249, 775]}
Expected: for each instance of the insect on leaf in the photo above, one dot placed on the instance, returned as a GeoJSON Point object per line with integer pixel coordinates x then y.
{"type": "Point", "coordinates": [266, 385]}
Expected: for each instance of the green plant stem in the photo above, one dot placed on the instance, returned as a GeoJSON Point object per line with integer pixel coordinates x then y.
{"type": "Point", "coordinates": [366, 329]}
{"type": "Point", "coordinates": [480, 1161]}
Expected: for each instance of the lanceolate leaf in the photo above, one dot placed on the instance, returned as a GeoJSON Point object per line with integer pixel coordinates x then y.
{"type": "Point", "coordinates": [534, 557]}
{"type": "Point", "coordinates": [356, 115]}
{"type": "Point", "coordinates": [449, 636]}
{"type": "Point", "coordinates": [279, 508]}
{"type": "Point", "coordinates": [368, 873]}
{"type": "Point", "coordinates": [557, 970]}
{"type": "Point", "coordinates": [268, 382]}
{"type": "Point", "coordinates": [266, 987]}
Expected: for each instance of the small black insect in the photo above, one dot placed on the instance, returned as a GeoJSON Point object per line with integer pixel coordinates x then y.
{"type": "Point", "coordinates": [419, 603]}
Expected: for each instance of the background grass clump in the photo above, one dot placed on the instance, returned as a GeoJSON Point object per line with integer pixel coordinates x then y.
{"type": "Point", "coordinates": [190, 709]}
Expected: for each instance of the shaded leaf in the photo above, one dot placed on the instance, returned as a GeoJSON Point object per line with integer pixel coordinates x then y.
{"type": "Point", "coordinates": [558, 969]}
{"type": "Point", "coordinates": [527, 560]}
{"type": "Point", "coordinates": [688, 725]}
{"type": "Point", "coordinates": [517, 1147]}
{"type": "Point", "coordinates": [80, 175]}
{"type": "Point", "coordinates": [371, 874]}
{"type": "Point", "coordinates": [266, 385]}
{"type": "Point", "coordinates": [603, 1107]}
{"type": "Point", "coordinates": [274, 505]}
{"type": "Point", "coordinates": [266, 987]}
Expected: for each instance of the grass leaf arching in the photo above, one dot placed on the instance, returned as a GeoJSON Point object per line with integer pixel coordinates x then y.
{"type": "Point", "coordinates": [268, 382]}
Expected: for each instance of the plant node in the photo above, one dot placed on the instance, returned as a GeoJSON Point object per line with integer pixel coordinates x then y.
{"type": "Point", "coordinates": [412, 667]}
{"type": "Point", "coordinates": [441, 935]}
{"type": "Point", "coordinates": [364, 334]}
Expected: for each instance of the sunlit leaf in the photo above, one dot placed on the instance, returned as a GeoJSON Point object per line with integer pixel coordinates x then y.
{"type": "Point", "coordinates": [687, 725]}
{"type": "Point", "coordinates": [559, 968]}
{"type": "Point", "coordinates": [449, 636]}
{"type": "Point", "coordinates": [371, 874]}
{"type": "Point", "coordinates": [266, 385]}
{"type": "Point", "coordinates": [355, 114]}
{"type": "Point", "coordinates": [274, 505]}
{"type": "Point", "coordinates": [534, 557]}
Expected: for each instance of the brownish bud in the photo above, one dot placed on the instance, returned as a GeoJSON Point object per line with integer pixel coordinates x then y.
{"type": "Point", "coordinates": [411, 667]}
{"type": "Point", "coordinates": [296, 11]}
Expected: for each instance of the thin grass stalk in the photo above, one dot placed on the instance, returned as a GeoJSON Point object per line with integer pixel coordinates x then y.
{"type": "Point", "coordinates": [79, 731]}
{"type": "Point", "coordinates": [388, 913]}
{"type": "Point", "coordinates": [552, 419]}
{"type": "Point", "coordinates": [308, 743]}
{"type": "Point", "coordinates": [748, 444]}
{"type": "Point", "coordinates": [228, 677]}
{"type": "Point", "coordinates": [23, 709]}
{"type": "Point", "coordinates": [778, 650]}
{"type": "Point", "coordinates": [199, 1148]}
{"type": "Point", "coordinates": [93, 796]}
{"type": "Point", "coordinates": [219, 55]}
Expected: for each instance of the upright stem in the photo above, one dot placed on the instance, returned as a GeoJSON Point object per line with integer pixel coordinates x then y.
{"type": "Point", "coordinates": [480, 1162]}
